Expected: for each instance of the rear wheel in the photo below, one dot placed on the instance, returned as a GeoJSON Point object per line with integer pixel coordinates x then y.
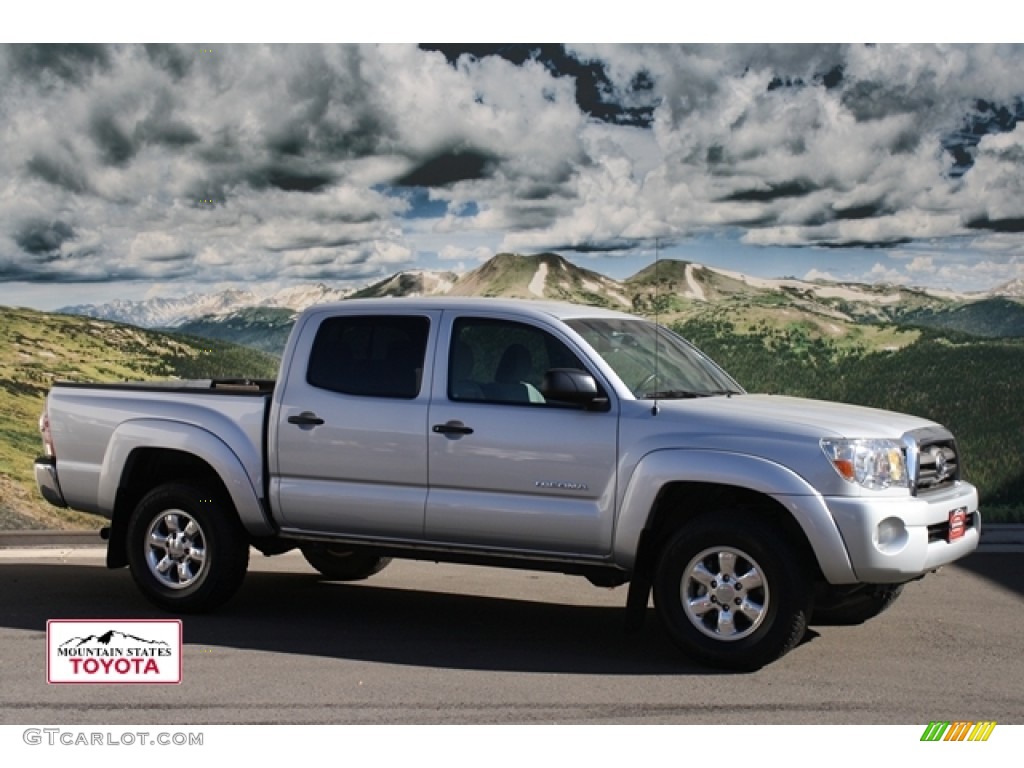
{"type": "Point", "coordinates": [844, 606]}
{"type": "Point", "coordinates": [339, 563]}
{"type": "Point", "coordinates": [187, 551]}
{"type": "Point", "coordinates": [731, 591]}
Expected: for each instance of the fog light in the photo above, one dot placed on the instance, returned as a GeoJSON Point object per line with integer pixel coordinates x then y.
{"type": "Point", "coordinates": [891, 536]}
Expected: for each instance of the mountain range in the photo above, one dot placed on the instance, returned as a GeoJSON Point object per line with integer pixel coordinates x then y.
{"type": "Point", "coordinates": [952, 358]}
{"type": "Point", "coordinates": [173, 312]}
{"type": "Point", "coordinates": [673, 289]}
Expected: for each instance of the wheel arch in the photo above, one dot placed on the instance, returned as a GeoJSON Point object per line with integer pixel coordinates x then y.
{"type": "Point", "coordinates": [145, 455]}
{"type": "Point", "coordinates": [671, 487]}
{"type": "Point", "coordinates": [680, 502]}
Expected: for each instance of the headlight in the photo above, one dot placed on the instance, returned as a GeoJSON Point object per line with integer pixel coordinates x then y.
{"type": "Point", "coordinates": [873, 464]}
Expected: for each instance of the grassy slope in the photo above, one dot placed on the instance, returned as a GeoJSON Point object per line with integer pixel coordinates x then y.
{"type": "Point", "coordinates": [995, 317]}
{"type": "Point", "coordinates": [263, 328]}
{"type": "Point", "coordinates": [36, 348]}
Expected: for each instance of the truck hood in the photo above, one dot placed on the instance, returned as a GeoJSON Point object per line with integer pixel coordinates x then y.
{"type": "Point", "coordinates": [751, 414]}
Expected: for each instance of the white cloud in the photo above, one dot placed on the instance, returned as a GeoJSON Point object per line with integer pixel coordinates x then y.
{"type": "Point", "coordinates": [273, 162]}
{"type": "Point", "coordinates": [923, 265]}
{"type": "Point", "coordinates": [817, 274]}
{"type": "Point", "coordinates": [455, 253]}
{"type": "Point", "coordinates": [881, 273]}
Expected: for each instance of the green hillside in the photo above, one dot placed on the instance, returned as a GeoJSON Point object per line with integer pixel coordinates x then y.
{"type": "Point", "coordinates": [36, 348]}
{"type": "Point", "coordinates": [262, 328]}
{"type": "Point", "coordinates": [672, 286]}
{"type": "Point", "coordinates": [996, 317]}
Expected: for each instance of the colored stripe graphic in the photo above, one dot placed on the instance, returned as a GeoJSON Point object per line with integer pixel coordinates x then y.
{"type": "Point", "coordinates": [958, 730]}
{"type": "Point", "coordinates": [935, 730]}
{"type": "Point", "coordinates": [982, 730]}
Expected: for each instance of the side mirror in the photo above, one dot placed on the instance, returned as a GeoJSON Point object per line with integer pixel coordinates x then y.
{"type": "Point", "coordinates": [571, 385]}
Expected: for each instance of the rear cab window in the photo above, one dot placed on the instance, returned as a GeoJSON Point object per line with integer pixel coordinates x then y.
{"type": "Point", "coordinates": [370, 355]}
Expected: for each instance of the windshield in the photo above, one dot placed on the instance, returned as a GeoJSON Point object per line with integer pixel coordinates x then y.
{"type": "Point", "coordinates": [652, 361]}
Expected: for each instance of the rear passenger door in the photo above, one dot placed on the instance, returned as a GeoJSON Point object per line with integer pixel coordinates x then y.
{"type": "Point", "coordinates": [509, 470]}
{"type": "Point", "coordinates": [349, 445]}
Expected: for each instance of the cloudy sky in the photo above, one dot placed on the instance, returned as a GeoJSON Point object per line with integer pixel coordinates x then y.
{"type": "Point", "coordinates": [131, 171]}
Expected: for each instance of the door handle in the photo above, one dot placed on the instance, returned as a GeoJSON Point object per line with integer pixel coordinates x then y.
{"type": "Point", "coordinates": [306, 419]}
{"type": "Point", "coordinates": [452, 428]}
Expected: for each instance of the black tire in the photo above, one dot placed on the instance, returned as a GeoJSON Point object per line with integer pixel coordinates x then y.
{"type": "Point", "coordinates": [731, 591]}
{"type": "Point", "coordinates": [339, 563]}
{"type": "Point", "coordinates": [845, 606]}
{"type": "Point", "coordinates": [187, 550]}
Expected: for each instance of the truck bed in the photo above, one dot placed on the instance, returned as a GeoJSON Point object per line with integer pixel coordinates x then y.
{"type": "Point", "coordinates": [88, 423]}
{"type": "Point", "coordinates": [215, 386]}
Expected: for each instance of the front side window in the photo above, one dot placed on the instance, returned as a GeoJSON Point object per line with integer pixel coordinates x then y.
{"type": "Point", "coordinates": [501, 361]}
{"type": "Point", "coordinates": [370, 356]}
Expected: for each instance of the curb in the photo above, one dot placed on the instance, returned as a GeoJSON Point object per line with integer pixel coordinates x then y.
{"type": "Point", "coordinates": [50, 539]}
{"type": "Point", "coordinates": [1002, 538]}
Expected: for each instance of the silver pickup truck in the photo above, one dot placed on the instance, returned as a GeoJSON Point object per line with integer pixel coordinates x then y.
{"type": "Point", "coordinates": [523, 434]}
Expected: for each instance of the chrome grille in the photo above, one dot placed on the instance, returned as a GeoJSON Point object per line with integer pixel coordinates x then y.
{"type": "Point", "coordinates": [933, 459]}
{"type": "Point", "coordinates": [937, 466]}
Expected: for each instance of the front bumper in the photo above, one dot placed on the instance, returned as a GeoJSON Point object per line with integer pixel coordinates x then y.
{"type": "Point", "coordinates": [892, 540]}
{"type": "Point", "coordinates": [46, 479]}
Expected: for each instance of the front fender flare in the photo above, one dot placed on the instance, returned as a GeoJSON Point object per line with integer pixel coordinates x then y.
{"type": "Point", "coordinates": [660, 468]}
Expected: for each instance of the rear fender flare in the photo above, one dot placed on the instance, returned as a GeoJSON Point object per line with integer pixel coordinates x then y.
{"type": "Point", "coordinates": [186, 438]}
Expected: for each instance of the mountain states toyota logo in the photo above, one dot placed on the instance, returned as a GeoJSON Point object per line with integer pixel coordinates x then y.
{"type": "Point", "coordinates": [113, 651]}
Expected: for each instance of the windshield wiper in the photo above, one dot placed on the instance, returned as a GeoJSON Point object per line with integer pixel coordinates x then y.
{"type": "Point", "coordinates": [674, 394]}
{"type": "Point", "coordinates": [682, 394]}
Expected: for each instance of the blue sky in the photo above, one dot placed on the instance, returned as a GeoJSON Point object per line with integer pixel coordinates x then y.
{"type": "Point", "coordinates": [131, 171]}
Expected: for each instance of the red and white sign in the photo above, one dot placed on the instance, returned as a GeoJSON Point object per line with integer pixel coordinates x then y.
{"type": "Point", "coordinates": [957, 523]}
{"type": "Point", "coordinates": [113, 651]}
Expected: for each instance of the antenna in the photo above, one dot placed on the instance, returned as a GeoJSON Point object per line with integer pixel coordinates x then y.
{"type": "Point", "coordinates": [657, 331]}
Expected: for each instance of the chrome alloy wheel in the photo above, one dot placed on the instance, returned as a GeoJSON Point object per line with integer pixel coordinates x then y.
{"type": "Point", "coordinates": [724, 593]}
{"type": "Point", "coordinates": [175, 549]}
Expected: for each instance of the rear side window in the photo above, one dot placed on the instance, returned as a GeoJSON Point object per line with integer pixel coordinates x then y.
{"type": "Point", "coordinates": [370, 356]}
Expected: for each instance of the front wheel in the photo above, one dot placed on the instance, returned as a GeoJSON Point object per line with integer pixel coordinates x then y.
{"type": "Point", "coordinates": [732, 592]}
{"type": "Point", "coordinates": [187, 550]}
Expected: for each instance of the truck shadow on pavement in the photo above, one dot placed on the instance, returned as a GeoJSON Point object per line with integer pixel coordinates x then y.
{"type": "Point", "coordinates": [299, 614]}
{"type": "Point", "coordinates": [1001, 569]}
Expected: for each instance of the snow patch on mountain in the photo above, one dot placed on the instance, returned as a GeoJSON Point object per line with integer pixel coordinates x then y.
{"type": "Point", "coordinates": [540, 277]}
{"type": "Point", "coordinates": [695, 290]}
{"type": "Point", "coordinates": [1012, 288]}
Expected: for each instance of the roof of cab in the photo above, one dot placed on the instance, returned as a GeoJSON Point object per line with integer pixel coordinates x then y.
{"type": "Point", "coordinates": [527, 307]}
